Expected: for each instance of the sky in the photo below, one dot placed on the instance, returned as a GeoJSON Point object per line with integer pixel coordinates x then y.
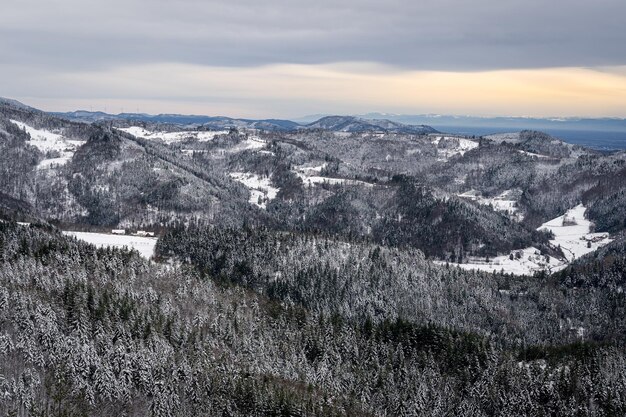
{"type": "Point", "coordinates": [290, 58]}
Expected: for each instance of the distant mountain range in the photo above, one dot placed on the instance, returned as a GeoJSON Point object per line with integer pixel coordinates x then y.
{"type": "Point", "coordinates": [508, 122]}
{"type": "Point", "coordinates": [357, 124]}
{"type": "Point", "coordinates": [598, 133]}
{"type": "Point", "coordinates": [349, 124]}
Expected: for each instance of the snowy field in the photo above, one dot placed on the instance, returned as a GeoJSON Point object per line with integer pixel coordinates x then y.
{"type": "Point", "coordinates": [261, 189]}
{"type": "Point", "coordinates": [310, 170]}
{"type": "Point", "coordinates": [314, 179]}
{"type": "Point", "coordinates": [525, 262]}
{"type": "Point", "coordinates": [310, 176]}
{"type": "Point", "coordinates": [173, 137]}
{"type": "Point", "coordinates": [251, 143]}
{"type": "Point", "coordinates": [536, 155]}
{"type": "Point", "coordinates": [506, 202]}
{"type": "Point", "coordinates": [448, 151]}
{"type": "Point", "coordinates": [144, 245]}
{"type": "Point", "coordinates": [47, 141]}
{"type": "Point", "coordinates": [572, 234]}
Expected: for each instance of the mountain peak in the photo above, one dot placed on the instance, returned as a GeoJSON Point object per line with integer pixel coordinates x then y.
{"type": "Point", "coordinates": [356, 124]}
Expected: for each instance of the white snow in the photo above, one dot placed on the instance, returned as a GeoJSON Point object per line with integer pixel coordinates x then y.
{"type": "Point", "coordinates": [525, 262]}
{"type": "Point", "coordinates": [144, 245]}
{"type": "Point", "coordinates": [47, 141]}
{"type": "Point", "coordinates": [261, 189]}
{"type": "Point", "coordinates": [572, 232]}
{"type": "Point", "coordinates": [251, 143]}
{"type": "Point", "coordinates": [532, 154]}
{"type": "Point", "coordinates": [173, 137]}
{"type": "Point", "coordinates": [450, 148]}
{"type": "Point", "coordinates": [506, 202]}
{"type": "Point", "coordinates": [314, 179]}
{"type": "Point", "coordinates": [311, 169]}
{"type": "Point", "coordinates": [308, 177]}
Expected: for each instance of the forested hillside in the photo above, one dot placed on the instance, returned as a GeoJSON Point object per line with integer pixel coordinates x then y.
{"type": "Point", "coordinates": [102, 332]}
{"type": "Point", "coordinates": [321, 270]}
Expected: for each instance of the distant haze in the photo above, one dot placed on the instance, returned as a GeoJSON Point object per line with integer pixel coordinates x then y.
{"type": "Point", "coordinates": [289, 58]}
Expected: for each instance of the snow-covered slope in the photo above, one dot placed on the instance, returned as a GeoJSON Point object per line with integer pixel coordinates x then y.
{"type": "Point", "coordinates": [261, 189]}
{"type": "Point", "coordinates": [173, 137]}
{"type": "Point", "coordinates": [449, 146]}
{"type": "Point", "coordinates": [251, 143]}
{"type": "Point", "coordinates": [356, 124]}
{"type": "Point", "coordinates": [572, 234]}
{"type": "Point", "coordinates": [47, 141]}
{"type": "Point", "coordinates": [506, 202]}
{"type": "Point", "coordinates": [144, 245]}
{"type": "Point", "coordinates": [310, 176]}
{"type": "Point", "coordinates": [519, 262]}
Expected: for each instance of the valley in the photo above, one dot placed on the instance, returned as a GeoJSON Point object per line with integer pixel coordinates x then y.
{"type": "Point", "coordinates": [341, 267]}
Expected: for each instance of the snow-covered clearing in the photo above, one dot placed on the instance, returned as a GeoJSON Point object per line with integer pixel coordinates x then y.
{"type": "Point", "coordinates": [261, 189]}
{"type": "Point", "coordinates": [532, 154]}
{"type": "Point", "coordinates": [251, 143]}
{"type": "Point", "coordinates": [506, 202]}
{"type": "Point", "coordinates": [504, 137]}
{"type": "Point", "coordinates": [47, 141]}
{"type": "Point", "coordinates": [173, 137]}
{"type": "Point", "coordinates": [525, 262]}
{"type": "Point", "coordinates": [313, 180]}
{"type": "Point", "coordinates": [572, 234]}
{"type": "Point", "coordinates": [144, 245]}
{"type": "Point", "coordinates": [452, 146]}
{"type": "Point", "coordinates": [308, 176]}
{"type": "Point", "coordinates": [311, 169]}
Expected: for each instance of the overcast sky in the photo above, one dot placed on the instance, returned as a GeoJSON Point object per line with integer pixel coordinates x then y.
{"type": "Point", "coordinates": [288, 58]}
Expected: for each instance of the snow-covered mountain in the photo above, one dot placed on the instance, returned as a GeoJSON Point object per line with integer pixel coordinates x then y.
{"type": "Point", "coordinates": [371, 272]}
{"type": "Point", "coordinates": [354, 124]}
{"type": "Point", "coordinates": [331, 123]}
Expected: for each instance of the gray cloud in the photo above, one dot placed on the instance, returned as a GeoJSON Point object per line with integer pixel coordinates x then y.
{"type": "Point", "coordinates": [423, 35]}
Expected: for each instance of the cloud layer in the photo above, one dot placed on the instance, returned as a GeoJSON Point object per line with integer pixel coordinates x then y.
{"type": "Point", "coordinates": [97, 50]}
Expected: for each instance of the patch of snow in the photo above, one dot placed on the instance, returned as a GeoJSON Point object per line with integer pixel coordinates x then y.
{"type": "Point", "coordinates": [450, 148]}
{"type": "Point", "coordinates": [251, 143]}
{"type": "Point", "coordinates": [173, 137]}
{"type": "Point", "coordinates": [310, 169]}
{"type": "Point", "coordinates": [192, 151]}
{"type": "Point", "coordinates": [313, 180]}
{"type": "Point", "coordinates": [47, 141]}
{"type": "Point", "coordinates": [536, 155]}
{"type": "Point", "coordinates": [144, 245]}
{"type": "Point", "coordinates": [525, 262]}
{"type": "Point", "coordinates": [261, 189]}
{"type": "Point", "coordinates": [572, 232]}
{"type": "Point", "coordinates": [504, 137]}
{"type": "Point", "coordinates": [308, 177]}
{"type": "Point", "coordinates": [506, 202]}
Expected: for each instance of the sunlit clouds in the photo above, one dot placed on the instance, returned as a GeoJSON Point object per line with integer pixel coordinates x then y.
{"type": "Point", "coordinates": [294, 90]}
{"type": "Point", "coordinates": [287, 58]}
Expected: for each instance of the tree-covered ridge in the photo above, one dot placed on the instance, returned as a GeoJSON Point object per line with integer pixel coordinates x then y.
{"type": "Point", "coordinates": [362, 281]}
{"type": "Point", "coordinates": [332, 297]}
{"type": "Point", "coordinates": [391, 188]}
{"type": "Point", "coordinates": [102, 332]}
